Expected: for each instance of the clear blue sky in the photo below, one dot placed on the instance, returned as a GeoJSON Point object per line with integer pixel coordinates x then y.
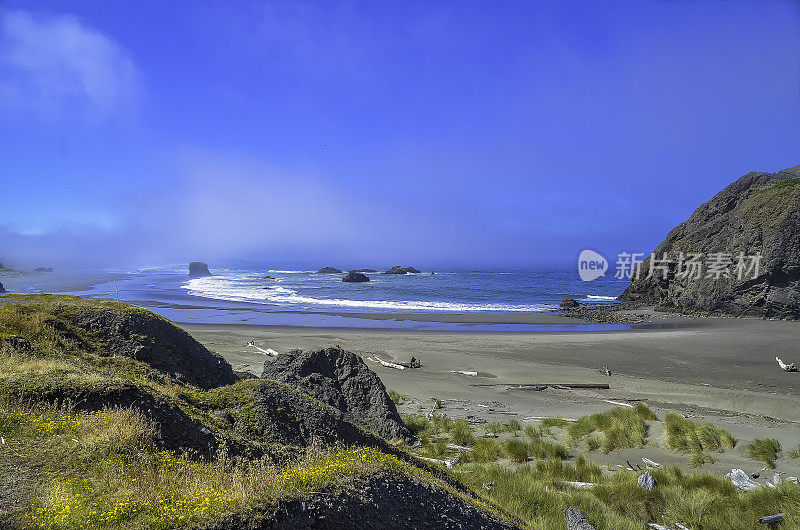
{"type": "Point", "coordinates": [432, 133]}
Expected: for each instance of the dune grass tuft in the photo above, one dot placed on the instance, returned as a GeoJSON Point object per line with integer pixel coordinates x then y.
{"type": "Point", "coordinates": [620, 427]}
{"type": "Point", "coordinates": [687, 436]}
{"type": "Point", "coordinates": [764, 450]}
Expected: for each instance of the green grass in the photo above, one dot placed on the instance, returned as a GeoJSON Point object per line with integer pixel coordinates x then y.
{"type": "Point", "coordinates": [516, 450]}
{"type": "Point", "coordinates": [687, 436]}
{"type": "Point", "coordinates": [561, 423]}
{"type": "Point", "coordinates": [794, 453]}
{"type": "Point", "coordinates": [764, 450]}
{"type": "Point", "coordinates": [493, 427]}
{"type": "Point", "coordinates": [619, 428]}
{"type": "Point", "coordinates": [537, 494]}
{"type": "Point", "coordinates": [397, 397]}
{"type": "Point", "coordinates": [699, 459]}
{"type": "Point", "coordinates": [461, 433]}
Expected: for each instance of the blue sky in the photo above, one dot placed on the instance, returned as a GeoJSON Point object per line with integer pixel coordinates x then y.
{"type": "Point", "coordinates": [450, 133]}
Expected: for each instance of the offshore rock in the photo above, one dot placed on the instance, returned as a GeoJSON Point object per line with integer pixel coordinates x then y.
{"type": "Point", "coordinates": [329, 270]}
{"type": "Point", "coordinates": [198, 269]}
{"type": "Point", "coordinates": [759, 214]}
{"type": "Point", "coordinates": [397, 269]}
{"type": "Point", "coordinates": [355, 277]}
{"type": "Point", "coordinates": [568, 303]}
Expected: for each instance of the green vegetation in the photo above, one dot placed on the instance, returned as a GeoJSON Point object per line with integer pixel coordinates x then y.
{"type": "Point", "coordinates": [537, 494]}
{"type": "Point", "coordinates": [794, 453]}
{"type": "Point", "coordinates": [620, 427]}
{"type": "Point", "coordinates": [764, 450]}
{"type": "Point", "coordinates": [781, 185]}
{"type": "Point", "coordinates": [397, 397]}
{"type": "Point", "coordinates": [561, 423]}
{"type": "Point", "coordinates": [461, 433]}
{"type": "Point", "coordinates": [687, 436]}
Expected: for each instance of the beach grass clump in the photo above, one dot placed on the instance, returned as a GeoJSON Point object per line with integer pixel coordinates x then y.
{"type": "Point", "coordinates": [559, 422]}
{"type": "Point", "coordinates": [621, 427]}
{"type": "Point", "coordinates": [764, 450]}
{"type": "Point", "coordinates": [494, 427]}
{"type": "Point", "coordinates": [485, 450]}
{"type": "Point", "coordinates": [698, 459]}
{"type": "Point", "coordinates": [686, 436]}
{"type": "Point", "coordinates": [415, 423]}
{"type": "Point", "coordinates": [516, 450]}
{"type": "Point", "coordinates": [461, 433]}
{"type": "Point", "coordinates": [794, 453]}
{"type": "Point", "coordinates": [397, 397]}
{"type": "Point", "coordinates": [545, 449]}
{"type": "Point", "coordinates": [535, 432]}
{"type": "Point", "coordinates": [512, 427]}
{"type": "Point", "coordinates": [537, 494]}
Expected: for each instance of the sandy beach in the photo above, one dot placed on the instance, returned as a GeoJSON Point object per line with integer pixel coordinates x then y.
{"type": "Point", "coordinates": [710, 369]}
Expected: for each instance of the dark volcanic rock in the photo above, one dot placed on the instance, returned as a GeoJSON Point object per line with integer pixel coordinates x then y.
{"type": "Point", "coordinates": [757, 214]}
{"type": "Point", "coordinates": [342, 380]}
{"type": "Point", "coordinates": [568, 303]}
{"type": "Point", "coordinates": [198, 269]}
{"type": "Point", "coordinates": [288, 416]}
{"type": "Point", "coordinates": [382, 500]}
{"type": "Point", "coordinates": [363, 270]}
{"type": "Point", "coordinates": [397, 269]}
{"type": "Point", "coordinates": [154, 340]}
{"type": "Point", "coordinates": [355, 277]}
{"type": "Point", "coordinates": [2, 289]}
{"type": "Point", "coordinates": [329, 270]}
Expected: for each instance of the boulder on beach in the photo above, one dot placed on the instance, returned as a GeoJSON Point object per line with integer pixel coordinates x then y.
{"type": "Point", "coordinates": [355, 277]}
{"type": "Point", "coordinates": [198, 269]}
{"type": "Point", "coordinates": [342, 380]}
{"type": "Point", "coordinates": [567, 303]}
{"type": "Point", "coordinates": [2, 289]}
{"type": "Point", "coordinates": [738, 254]}
{"type": "Point", "coordinates": [329, 270]}
{"type": "Point", "coordinates": [397, 269]}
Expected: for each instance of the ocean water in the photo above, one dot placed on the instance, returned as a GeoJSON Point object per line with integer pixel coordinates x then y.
{"type": "Point", "coordinates": [243, 293]}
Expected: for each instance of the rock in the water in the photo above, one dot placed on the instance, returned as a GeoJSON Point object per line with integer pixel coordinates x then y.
{"type": "Point", "coordinates": [2, 289]}
{"type": "Point", "coordinates": [355, 277]}
{"type": "Point", "coordinates": [568, 302]}
{"type": "Point", "coordinates": [576, 520]}
{"type": "Point", "coordinates": [156, 341]}
{"type": "Point", "coordinates": [757, 214]}
{"type": "Point", "coordinates": [397, 269]}
{"type": "Point", "coordinates": [646, 481]}
{"type": "Point", "coordinates": [43, 269]}
{"type": "Point", "coordinates": [342, 380]}
{"type": "Point", "coordinates": [198, 269]}
{"type": "Point", "coordinates": [363, 270]}
{"type": "Point", "coordinates": [329, 270]}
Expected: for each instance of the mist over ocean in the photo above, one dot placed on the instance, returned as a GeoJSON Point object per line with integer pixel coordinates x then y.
{"type": "Point", "coordinates": [251, 293]}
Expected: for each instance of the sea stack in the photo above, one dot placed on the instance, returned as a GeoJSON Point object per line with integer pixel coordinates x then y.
{"type": "Point", "coordinates": [567, 303]}
{"type": "Point", "coordinates": [198, 269]}
{"type": "Point", "coordinates": [748, 241]}
{"type": "Point", "coordinates": [2, 289]}
{"type": "Point", "coordinates": [355, 277]}
{"type": "Point", "coordinates": [397, 269]}
{"type": "Point", "coordinates": [329, 270]}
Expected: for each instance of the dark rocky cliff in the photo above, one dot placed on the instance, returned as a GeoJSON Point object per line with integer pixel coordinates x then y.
{"type": "Point", "coordinates": [757, 214]}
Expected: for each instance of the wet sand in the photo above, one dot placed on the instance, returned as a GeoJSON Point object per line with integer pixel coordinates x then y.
{"type": "Point", "coordinates": [710, 369]}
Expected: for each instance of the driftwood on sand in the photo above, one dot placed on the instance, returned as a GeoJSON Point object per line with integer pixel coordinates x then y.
{"type": "Point", "coordinates": [570, 386]}
{"type": "Point", "coordinates": [268, 351]}
{"type": "Point", "coordinates": [387, 363]}
{"type": "Point", "coordinates": [791, 367]}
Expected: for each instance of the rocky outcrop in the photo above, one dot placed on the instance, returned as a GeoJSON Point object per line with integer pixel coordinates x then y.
{"type": "Point", "coordinates": [329, 270]}
{"type": "Point", "coordinates": [290, 417]}
{"type": "Point", "coordinates": [567, 303]}
{"type": "Point", "coordinates": [198, 269]}
{"type": "Point", "coordinates": [154, 340]}
{"type": "Point", "coordinates": [382, 500]}
{"type": "Point", "coordinates": [2, 289]}
{"type": "Point", "coordinates": [397, 269]}
{"type": "Point", "coordinates": [342, 380]}
{"type": "Point", "coordinates": [364, 270]}
{"type": "Point", "coordinates": [576, 520]}
{"type": "Point", "coordinates": [355, 277]}
{"type": "Point", "coordinates": [759, 214]}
